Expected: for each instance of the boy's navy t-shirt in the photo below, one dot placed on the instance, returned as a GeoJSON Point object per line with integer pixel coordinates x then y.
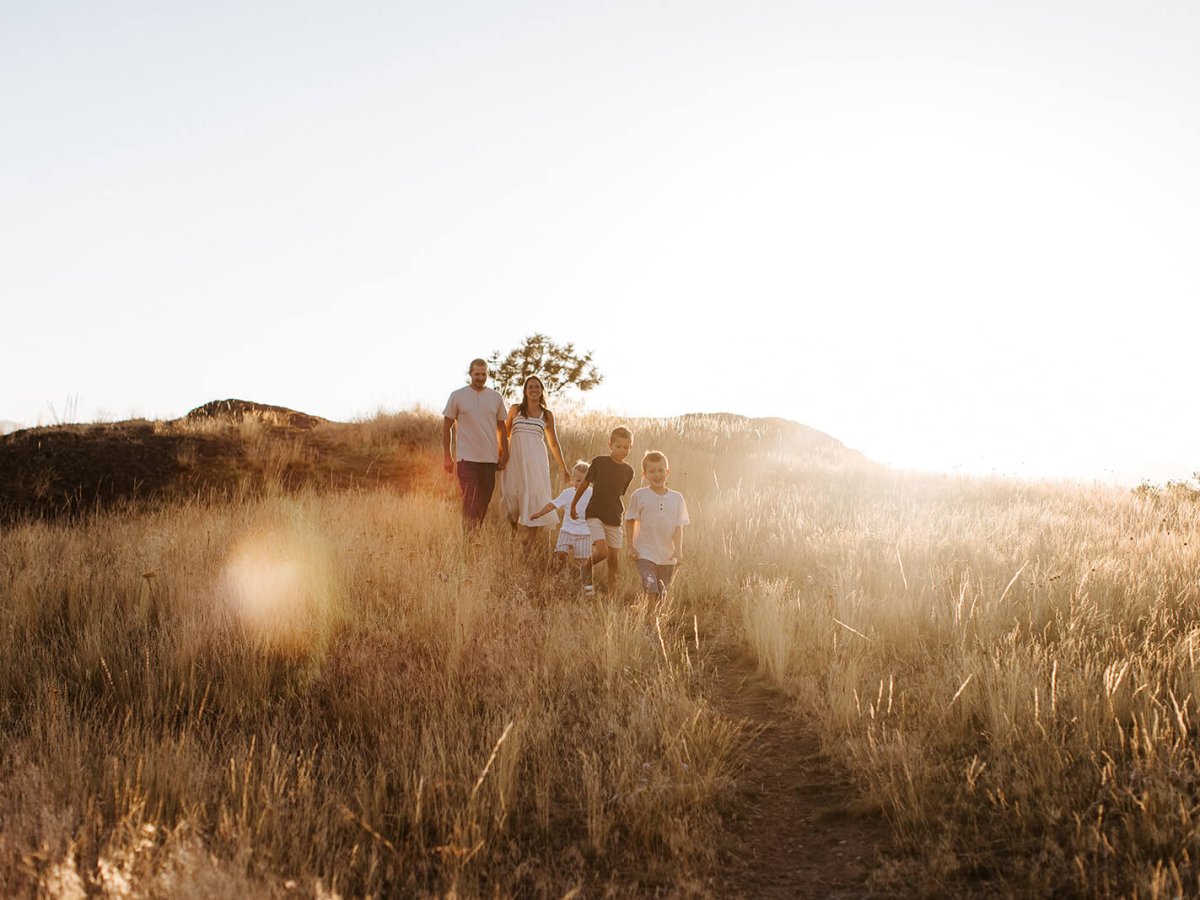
{"type": "Point", "coordinates": [609, 480]}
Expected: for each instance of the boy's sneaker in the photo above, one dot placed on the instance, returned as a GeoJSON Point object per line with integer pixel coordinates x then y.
{"type": "Point", "coordinates": [589, 590]}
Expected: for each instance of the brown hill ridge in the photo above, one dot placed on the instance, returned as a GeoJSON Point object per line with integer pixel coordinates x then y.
{"type": "Point", "coordinates": [223, 448]}
{"type": "Point", "coordinates": [232, 448]}
{"type": "Point", "coordinates": [241, 410]}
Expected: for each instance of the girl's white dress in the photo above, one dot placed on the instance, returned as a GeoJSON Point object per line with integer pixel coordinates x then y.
{"type": "Point", "coordinates": [525, 481]}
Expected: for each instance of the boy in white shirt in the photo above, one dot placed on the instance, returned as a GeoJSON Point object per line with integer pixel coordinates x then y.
{"type": "Point", "coordinates": [575, 536]}
{"type": "Point", "coordinates": [654, 523]}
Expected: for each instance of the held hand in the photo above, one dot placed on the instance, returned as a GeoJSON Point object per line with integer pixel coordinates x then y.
{"type": "Point", "coordinates": [633, 554]}
{"type": "Point", "coordinates": [502, 463]}
{"type": "Point", "coordinates": [448, 464]}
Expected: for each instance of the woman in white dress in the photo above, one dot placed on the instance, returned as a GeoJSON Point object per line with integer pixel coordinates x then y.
{"type": "Point", "coordinates": [525, 481]}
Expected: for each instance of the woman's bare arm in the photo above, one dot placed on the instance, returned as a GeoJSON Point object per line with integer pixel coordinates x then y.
{"type": "Point", "coordinates": [552, 441]}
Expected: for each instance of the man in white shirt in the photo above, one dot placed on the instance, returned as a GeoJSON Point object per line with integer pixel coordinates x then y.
{"type": "Point", "coordinates": [475, 441]}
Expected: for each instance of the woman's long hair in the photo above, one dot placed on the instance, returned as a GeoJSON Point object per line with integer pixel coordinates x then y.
{"type": "Point", "coordinates": [524, 407]}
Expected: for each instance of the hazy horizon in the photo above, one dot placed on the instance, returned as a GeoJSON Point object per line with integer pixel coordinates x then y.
{"type": "Point", "coordinates": [576, 402]}
{"type": "Point", "coordinates": [955, 237]}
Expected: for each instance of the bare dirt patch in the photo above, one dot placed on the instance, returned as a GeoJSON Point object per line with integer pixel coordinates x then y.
{"type": "Point", "coordinates": [800, 827]}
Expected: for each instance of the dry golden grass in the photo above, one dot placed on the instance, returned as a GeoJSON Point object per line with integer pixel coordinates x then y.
{"type": "Point", "coordinates": [1011, 670]}
{"type": "Point", "coordinates": [319, 694]}
{"type": "Point", "coordinates": [335, 690]}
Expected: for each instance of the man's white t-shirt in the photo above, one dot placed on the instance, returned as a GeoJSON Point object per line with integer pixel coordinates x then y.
{"type": "Point", "coordinates": [563, 501]}
{"type": "Point", "coordinates": [475, 414]}
{"type": "Point", "coordinates": [659, 515]}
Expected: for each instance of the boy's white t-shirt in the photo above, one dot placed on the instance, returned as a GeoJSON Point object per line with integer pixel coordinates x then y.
{"type": "Point", "coordinates": [563, 501]}
{"type": "Point", "coordinates": [659, 515]}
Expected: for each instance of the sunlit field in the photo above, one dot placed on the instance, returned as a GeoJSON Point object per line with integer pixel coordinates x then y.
{"type": "Point", "coordinates": [335, 693]}
{"type": "Point", "coordinates": [1010, 670]}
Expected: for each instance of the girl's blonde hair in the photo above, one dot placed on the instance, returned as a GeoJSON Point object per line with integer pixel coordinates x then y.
{"type": "Point", "coordinates": [581, 465]}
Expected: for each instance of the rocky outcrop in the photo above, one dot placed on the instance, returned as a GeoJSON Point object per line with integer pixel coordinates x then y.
{"type": "Point", "coordinates": [239, 410]}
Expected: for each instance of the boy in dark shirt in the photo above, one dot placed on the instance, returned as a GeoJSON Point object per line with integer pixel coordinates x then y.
{"type": "Point", "coordinates": [609, 477]}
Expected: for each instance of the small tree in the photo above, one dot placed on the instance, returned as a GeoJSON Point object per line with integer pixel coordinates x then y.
{"type": "Point", "coordinates": [557, 365]}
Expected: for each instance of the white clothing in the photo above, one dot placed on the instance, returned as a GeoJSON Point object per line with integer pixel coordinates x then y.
{"type": "Point", "coordinates": [476, 415]}
{"type": "Point", "coordinates": [525, 481]}
{"type": "Point", "coordinates": [658, 515]}
{"type": "Point", "coordinates": [563, 502]}
{"type": "Point", "coordinates": [576, 545]}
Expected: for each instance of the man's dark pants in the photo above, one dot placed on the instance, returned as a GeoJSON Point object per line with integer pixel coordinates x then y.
{"type": "Point", "coordinates": [477, 481]}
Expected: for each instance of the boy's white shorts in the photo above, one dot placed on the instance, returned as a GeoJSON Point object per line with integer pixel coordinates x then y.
{"type": "Point", "coordinates": [576, 545]}
{"type": "Point", "coordinates": [612, 534]}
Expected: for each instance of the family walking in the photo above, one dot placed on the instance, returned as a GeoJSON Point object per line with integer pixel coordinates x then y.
{"type": "Point", "coordinates": [483, 442]}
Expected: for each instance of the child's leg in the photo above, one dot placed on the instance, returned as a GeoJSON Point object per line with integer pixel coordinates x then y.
{"type": "Point", "coordinates": [599, 554]}
{"type": "Point", "coordinates": [599, 549]}
{"type": "Point", "coordinates": [615, 540]}
{"type": "Point", "coordinates": [599, 544]}
{"type": "Point", "coordinates": [581, 555]}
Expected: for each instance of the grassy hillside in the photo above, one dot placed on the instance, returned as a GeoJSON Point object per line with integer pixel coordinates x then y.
{"type": "Point", "coordinates": [313, 681]}
{"type": "Point", "coordinates": [227, 449]}
{"type": "Point", "coordinates": [296, 686]}
{"type": "Point", "coordinates": [234, 449]}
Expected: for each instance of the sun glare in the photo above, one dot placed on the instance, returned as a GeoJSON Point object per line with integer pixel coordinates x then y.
{"type": "Point", "coordinates": [278, 582]}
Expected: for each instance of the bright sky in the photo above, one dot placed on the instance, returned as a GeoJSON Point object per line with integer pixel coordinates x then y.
{"type": "Point", "coordinates": [956, 236]}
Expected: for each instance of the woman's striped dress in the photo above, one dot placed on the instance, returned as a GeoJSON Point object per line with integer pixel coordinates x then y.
{"type": "Point", "coordinates": [525, 481]}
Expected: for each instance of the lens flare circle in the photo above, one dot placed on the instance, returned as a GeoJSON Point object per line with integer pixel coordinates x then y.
{"type": "Point", "coordinates": [278, 584]}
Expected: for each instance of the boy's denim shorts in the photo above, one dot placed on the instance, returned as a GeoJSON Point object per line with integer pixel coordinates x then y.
{"type": "Point", "coordinates": [655, 578]}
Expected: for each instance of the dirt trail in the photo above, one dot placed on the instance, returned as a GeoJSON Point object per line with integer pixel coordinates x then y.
{"type": "Point", "coordinates": [801, 829]}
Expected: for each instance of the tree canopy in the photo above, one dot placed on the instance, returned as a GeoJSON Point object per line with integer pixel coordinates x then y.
{"type": "Point", "coordinates": [559, 366]}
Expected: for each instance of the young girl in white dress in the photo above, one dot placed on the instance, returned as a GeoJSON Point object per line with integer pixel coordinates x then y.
{"type": "Point", "coordinates": [575, 537]}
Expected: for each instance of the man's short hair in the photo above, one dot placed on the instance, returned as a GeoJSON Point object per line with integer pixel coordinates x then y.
{"type": "Point", "coordinates": [655, 456]}
{"type": "Point", "coordinates": [477, 362]}
{"type": "Point", "coordinates": [621, 432]}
